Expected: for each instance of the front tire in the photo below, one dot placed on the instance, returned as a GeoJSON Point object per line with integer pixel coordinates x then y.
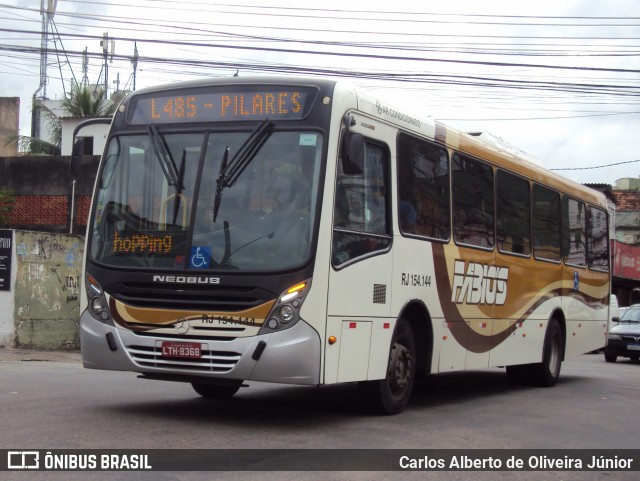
{"type": "Point", "coordinates": [391, 395]}
{"type": "Point", "coordinates": [216, 391]}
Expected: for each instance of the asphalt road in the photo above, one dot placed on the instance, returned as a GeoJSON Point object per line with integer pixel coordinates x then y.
{"type": "Point", "coordinates": [53, 403]}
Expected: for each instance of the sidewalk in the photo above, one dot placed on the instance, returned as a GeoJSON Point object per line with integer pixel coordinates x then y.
{"type": "Point", "coordinates": [10, 354]}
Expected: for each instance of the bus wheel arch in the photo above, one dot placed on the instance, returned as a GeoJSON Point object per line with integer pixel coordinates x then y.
{"type": "Point", "coordinates": [391, 394]}
{"type": "Point", "coordinates": [418, 317]}
{"type": "Point", "coordinates": [410, 354]}
{"type": "Point", "coordinates": [546, 372]}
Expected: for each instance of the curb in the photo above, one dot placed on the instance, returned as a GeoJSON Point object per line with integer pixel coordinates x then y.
{"type": "Point", "coordinates": [10, 354]}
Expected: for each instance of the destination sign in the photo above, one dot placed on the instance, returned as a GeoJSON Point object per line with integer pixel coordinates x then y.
{"type": "Point", "coordinates": [216, 105]}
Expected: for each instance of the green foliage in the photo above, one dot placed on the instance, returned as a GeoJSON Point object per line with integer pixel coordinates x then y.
{"type": "Point", "coordinates": [6, 205]}
{"type": "Point", "coordinates": [37, 146]}
{"type": "Point", "coordinates": [81, 101]}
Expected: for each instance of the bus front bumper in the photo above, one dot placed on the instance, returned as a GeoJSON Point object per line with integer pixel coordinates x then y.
{"type": "Point", "coordinates": [291, 356]}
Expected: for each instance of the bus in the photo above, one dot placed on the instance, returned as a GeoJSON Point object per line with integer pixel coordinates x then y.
{"type": "Point", "coordinates": [300, 231]}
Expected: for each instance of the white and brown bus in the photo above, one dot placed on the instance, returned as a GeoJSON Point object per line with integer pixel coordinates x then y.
{"type": "Point", "coordinates": [294, 230]}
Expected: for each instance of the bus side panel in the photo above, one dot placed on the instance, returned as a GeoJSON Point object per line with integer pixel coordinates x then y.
{"type": "Point", "coordinates": [359, 292]}
{"type": "Point", "coordinates": [534, 289]}
{"type": "Point", "coordinates": [586, 309]}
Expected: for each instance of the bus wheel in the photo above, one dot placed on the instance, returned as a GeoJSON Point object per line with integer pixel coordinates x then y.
{"type": "Point", "coordinates": [391, 395]}
{"type": "Point", "coordinates": [216, 391]}
{"type": "Point", "coordinates": [547, 372]}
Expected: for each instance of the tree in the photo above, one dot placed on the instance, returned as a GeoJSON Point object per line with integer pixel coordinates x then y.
{"type": "Point", "coordinates": [6, 205]}
{"type": "Point", "coordinates": [81, 101]}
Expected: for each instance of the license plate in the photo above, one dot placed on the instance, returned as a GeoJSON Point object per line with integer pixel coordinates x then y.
{"type": "Point", "coordinates": [633, 347]}
{"type": "Point", "coordinates": [186, 350]}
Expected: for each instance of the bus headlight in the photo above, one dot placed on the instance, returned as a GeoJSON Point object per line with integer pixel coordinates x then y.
{"type": "Point", "coordinates": [615, 337]}
{"type": "Point", "coordinates": [98, 306]}
{"type": "Point", "coordinates": [286, 311]}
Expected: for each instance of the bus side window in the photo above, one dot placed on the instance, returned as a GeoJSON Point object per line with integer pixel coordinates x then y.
{"type": "Point", "coordinates": [423, 188]}
{"type": "Point", "coordinates": [513, 213]}
{"type": "Point", "coordinates": [473, 204]}
{"type": "Point", "coordinates": [546, 224]}
{"type": "Point", "coordinates": [598, 239]}
{"type": "Point", "coordinates": [361, 214]}
{"type": "Point", "coordinates": [574, 232]}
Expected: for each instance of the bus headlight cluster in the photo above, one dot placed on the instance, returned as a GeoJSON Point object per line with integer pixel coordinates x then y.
{"type": "Point", "coordinates": [286, 311]}
{"type": "Point", "coordinates": [615, 337]}
{"type": "Point", "coordinates": [97, 301]}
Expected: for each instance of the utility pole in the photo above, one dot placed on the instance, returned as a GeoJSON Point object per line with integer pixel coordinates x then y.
{"type": "Point", "coordinates": [117, 82]}
{"type": "Point", "coordinates": [41, 94]}
{"type": "Point", "coordinates": [135, 63]}
{"type": "Point", "coordinates": [85, 67]}
{"type": "Point", "coordinates": [105, 53]}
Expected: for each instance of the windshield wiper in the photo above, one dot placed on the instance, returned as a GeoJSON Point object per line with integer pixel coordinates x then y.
{"type": "Point", "coordinates": [230, 171]}
{"type": "Point", "coordinates": [179, 187]}
{"type": "Point", "coordinates": [164, 156]}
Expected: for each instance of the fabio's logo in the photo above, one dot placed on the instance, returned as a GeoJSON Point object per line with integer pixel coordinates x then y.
{"type": "Point", "coordinates": [475, 283]}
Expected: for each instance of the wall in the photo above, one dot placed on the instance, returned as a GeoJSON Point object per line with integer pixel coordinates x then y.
{"type": "Point", "coordinates": [42, 192]}
{"type": "Point", "coordinates": [9, 124]}
{"type": "Point", "coordinates": [48, 272]}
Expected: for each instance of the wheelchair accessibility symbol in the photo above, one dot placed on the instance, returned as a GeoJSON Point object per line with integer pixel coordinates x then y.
{"type": "Point", "coordinates": [200, 257]}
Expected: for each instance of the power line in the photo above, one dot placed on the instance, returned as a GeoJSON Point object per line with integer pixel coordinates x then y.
{"type": "Point", "coordinates": [342, 54]}
{"type": "Point", "coordinates": [596, 167]}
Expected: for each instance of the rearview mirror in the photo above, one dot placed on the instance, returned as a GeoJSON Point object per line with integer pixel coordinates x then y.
{"type": "Point", "coordinates": [352, 153]}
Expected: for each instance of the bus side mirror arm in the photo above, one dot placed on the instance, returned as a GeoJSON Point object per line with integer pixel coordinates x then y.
{"type": "Point", "coordinates": [78, 144]}
{"type": "Point", "coordinates": [76, 157]}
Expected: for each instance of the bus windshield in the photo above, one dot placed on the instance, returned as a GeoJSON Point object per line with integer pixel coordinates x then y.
{"type": "Point", "coordinates": [156, 197]}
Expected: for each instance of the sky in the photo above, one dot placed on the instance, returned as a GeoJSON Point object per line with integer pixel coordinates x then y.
{"type": "Point", "coordinates": [558, 80]}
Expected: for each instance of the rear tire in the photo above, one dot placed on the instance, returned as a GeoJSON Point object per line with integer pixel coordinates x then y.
{"type": "Point", "coordinates": [391, 395]}
{"type": "Point", "coordinates": [216, 391]}
{"type": "Point", "coordinates": [545, 373]}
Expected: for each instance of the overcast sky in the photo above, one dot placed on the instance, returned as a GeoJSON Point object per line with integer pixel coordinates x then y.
{"type": "Point", "coordinates": [560, 80]}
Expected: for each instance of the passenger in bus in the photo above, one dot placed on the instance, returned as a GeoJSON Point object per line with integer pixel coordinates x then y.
{"type": "Point", "coordinates": [408, 216]}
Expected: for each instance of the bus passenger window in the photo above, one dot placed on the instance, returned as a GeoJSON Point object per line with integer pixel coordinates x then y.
{"type": "Point", "coordinates": [546, 224]}
{"type": "Point", "coordinates": [361, 220]}
{"type": "Point", "coordinates": [513, 214]}
{"type": "Point", "coordinates": [423, 188]}
{"type": "Point", "coordinates": [597, 239]}
{"type": "Point", "coordinates": [473, 217]}
{"type": "Point", "coordinates": [573, 232]}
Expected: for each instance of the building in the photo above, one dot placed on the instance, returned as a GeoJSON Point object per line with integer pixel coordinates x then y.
{"type": "Point", "coordinates": [626, 244]}
{"type": "Point", "coordinates": [9, 125]}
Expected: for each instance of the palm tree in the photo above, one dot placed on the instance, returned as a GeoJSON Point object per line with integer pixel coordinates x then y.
{"type": "Point", "coordinates": [82, 101]}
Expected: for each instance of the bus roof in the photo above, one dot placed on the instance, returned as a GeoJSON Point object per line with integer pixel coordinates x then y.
{"type": "Point", "coordinates": [478, 146]}
{"type": "Point", "coordinates": [468, 143]}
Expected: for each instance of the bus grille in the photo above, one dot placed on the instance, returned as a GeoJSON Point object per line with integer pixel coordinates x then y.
{"type": "Point", "coordinates": [189, 297]}
{"type": "Point", "coordinates": [218, 362]}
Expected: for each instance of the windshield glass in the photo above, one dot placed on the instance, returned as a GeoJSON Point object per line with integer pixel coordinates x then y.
{"type": "Point", "coordinates": [631, 315]}
{"type": "Point", "coordinates": [155, 202]}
